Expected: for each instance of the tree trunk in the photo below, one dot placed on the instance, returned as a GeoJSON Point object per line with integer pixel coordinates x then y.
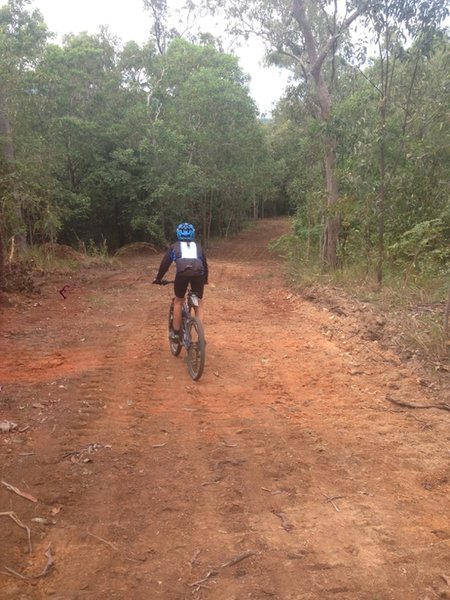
{"type": "Point", "coordinates": [446, 318]}
{"type": "Point", "coordinates": [2, 261]}
{"type": "Point", "coordinates": [316, 60]}
{"type": "Point", "coordinates": [381, 200]}
{"type": "Point", "coordinates": [6, 133]}
{"type": "Point", "coordinates": [384, 69]}
{"type": "Point", "coordinates": [332, 221]}
{"type": "Point", "coordinates": [8, 155]}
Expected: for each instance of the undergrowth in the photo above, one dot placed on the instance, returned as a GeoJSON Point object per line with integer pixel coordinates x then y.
{"type": "Point", "coordinates": [56, 257]}
{"type": "Point", "coordinates": [415, 302]}
{"type": "Point", "coordinates": [51, 258]}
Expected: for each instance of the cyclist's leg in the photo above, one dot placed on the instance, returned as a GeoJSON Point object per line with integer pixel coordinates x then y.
{"type": "Point", "coordinates": [197, 286]}
{"type": "Point", "coordinates": [180, 287]}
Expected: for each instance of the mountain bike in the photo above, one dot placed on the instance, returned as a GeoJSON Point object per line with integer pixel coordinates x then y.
{"type": "Point", "coordinates": [192, 336]}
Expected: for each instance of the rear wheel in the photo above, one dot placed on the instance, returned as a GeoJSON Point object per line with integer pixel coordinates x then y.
{"type": "Point", "coordinates": [197, 348]}
{"type": "Point", "coordinates": [175, 347]}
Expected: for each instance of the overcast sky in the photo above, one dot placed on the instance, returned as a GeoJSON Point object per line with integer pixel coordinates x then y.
{"type": "Point", "coordinates": [128, 21]}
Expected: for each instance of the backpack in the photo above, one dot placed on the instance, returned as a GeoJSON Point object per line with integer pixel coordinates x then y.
{"type": "Point", "coordinates": [188, 259]}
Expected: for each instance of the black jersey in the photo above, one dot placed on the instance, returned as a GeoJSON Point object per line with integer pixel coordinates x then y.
{"type": "Point", "coordinates": [189, 259]}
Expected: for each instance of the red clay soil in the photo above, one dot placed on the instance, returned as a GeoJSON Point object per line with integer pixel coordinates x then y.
{"type": "Point", "coordinates": [284, 473]}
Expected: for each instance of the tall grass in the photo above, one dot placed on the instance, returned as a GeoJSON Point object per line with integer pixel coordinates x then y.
{"type": "Point", "coordinates": [415, 302]}
{"type": "Point", "coordinates": [50, 258]}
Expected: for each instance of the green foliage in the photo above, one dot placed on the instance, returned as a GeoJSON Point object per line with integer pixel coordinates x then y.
{"type": "Point", "coordinates": [417, 162]}
{"type": "Point", "coordinates": [206, 149]}
{"type": "Point", "coordinates": [425, 247]}
{"type": "Point", "coordinates": [100, 142]}
{"type": "Point", "coordinates": [120, 144]}
{"type": "Point", "coordinates": [286, 246]}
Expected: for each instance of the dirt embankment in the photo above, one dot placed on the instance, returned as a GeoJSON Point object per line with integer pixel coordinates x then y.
{"type": "Point", "coordinates": [288, 471]}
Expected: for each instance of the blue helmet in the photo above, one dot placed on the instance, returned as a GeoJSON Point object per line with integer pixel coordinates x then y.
{"type": "Point", "coordinates": [185, 232]}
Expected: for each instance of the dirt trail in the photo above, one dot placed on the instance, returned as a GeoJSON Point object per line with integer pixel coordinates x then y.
{"type": "Point", "coordinates": [283, 473]}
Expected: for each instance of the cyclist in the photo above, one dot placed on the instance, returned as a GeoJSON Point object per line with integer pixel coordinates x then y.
{"type": "Point", "coordinates": [191, 267]}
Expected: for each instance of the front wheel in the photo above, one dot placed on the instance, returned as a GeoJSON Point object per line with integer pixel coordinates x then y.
{"type": "Point", "coordinates": [175, 347]}
{"type": "Point", "coordinates": [196, 350]}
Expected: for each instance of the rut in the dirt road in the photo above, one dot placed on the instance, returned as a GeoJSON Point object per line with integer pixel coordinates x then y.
{"type": "Point", "coordinates": [283, 473]}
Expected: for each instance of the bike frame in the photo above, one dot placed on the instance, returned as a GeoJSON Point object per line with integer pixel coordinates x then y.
{"type": "Point", "coordinates": [195, 346]}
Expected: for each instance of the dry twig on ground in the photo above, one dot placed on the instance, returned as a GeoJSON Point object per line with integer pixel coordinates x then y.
{"type": "Point", "coordinates": [97, 537]}
{"type": "Point", "coordinates": [16, 520]}
{"type": "Point", "coordinates": [215, 570]}
{"type": "Point", "coordinates": [440, 405]}
{"type": "Point", "coordinates": [286, 524]}
{"type": "Point", "coordinates": [43, 573]}
{"type": "Point", "coordinates": [11, 488]}
{"type": "Point", "coordinates": [331, 499]}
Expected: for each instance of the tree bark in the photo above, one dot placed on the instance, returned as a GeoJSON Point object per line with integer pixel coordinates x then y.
{"type": "Point", "coordinates": [316, 60]}
{"type": "Point", "coordinates": [8, 156]}
{"type": "Point", "coordinates": [6, 149]}
{"type": "Point", "coordinates": [6, 133]}
{"type": "Point", "coordinates": [2, 261]}
{"type": "Point", "coordinates": [382, 195]}
{"type": "Point", "coordinates": [332, 222]}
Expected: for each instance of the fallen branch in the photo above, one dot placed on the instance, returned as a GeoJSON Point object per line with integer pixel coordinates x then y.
{"type": "Point", "coordinates": [43, 573]}
{"type": "Point", "coordinates": [237, 559]}
{"type": "Point", "coordinates": [48, 566]}
{"type": "Point", "coordinates": [331, 500]}
{"type": "Point", "coordinates": [215, 570]}
{"type": "Point", "coordinates": [205, 483]}
{"type": "Point", "coordinates": [11, 488]}
{"type": "Point", "coordinates": [131, 558]}
{"type": "Point", "coordinates": [287, 525]}
{"type": "Point", "coordinates": [18, 522]}
{"type": "Point", "coordinates": [97, 537]}
{"type": "Point", "coordinates": [9, 571]}
{"type": "Point", "coordinates": [211, 573]}
{"type": "Point", "coordinates": [440, 405]}
{"type": "Point", "coordinates": [194, 558]}
{"type": "Point", "coordinates": [273, 492]}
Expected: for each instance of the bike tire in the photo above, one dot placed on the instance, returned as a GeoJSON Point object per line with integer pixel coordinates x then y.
{"type": "Point", "coordinates": [196, 352]}
{"type": "Point", "coordinates": [175, 347]}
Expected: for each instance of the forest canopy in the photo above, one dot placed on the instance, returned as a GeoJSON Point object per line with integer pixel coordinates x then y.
{"type": "Point", "coordinates": [105, 143]}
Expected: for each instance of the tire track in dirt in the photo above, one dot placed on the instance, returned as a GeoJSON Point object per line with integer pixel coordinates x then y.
{"type": "Point", "coordinates": [277, 450]}
{"type": "Point", "coordinates": [325, 404]}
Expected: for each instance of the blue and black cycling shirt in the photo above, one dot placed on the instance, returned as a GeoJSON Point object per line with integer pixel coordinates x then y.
{"type": "Point", "coordinates": [189, 259]}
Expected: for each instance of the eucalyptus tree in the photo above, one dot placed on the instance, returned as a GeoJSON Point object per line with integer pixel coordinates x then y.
{"type": "Point", "coordinates": [417, 211]}
{"type": "Point", "coordinates": [304, 36]}
{"type": "Point", "coordinates": [415, 137]}
{"type": "Point", "coordinates": [307, 37]}
{"type": "Point", "coordinates": [425, 160]}
{"type": "Point", "coordinates": [394, 23]}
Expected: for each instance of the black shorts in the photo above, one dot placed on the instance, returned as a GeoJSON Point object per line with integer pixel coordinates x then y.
{"type": "Point", "coordinates": [181, 284]}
